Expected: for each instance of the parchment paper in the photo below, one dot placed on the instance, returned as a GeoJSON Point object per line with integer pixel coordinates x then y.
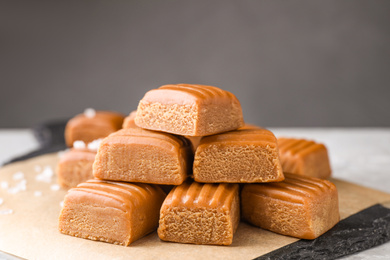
{"type": "Point", "coordinates": [31, 230]}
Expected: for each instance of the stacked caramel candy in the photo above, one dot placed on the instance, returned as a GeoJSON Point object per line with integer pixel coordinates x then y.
{"type": "Point", "coordinates": [184, 132]}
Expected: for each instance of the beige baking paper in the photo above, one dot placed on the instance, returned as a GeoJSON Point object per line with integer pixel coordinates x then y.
{"type": "Point", "coordinates": [31, 230]}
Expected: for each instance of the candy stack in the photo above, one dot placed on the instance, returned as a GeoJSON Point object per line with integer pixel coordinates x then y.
{"type": "Point", "coordinates": [194, 138]}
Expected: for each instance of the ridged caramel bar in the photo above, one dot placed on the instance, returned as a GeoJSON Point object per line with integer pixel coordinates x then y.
{"type": "Point", "coordinates": [304, 157]}
{"type": "Point", "coordinates": [299, 206]}
{"type": "Point", "coordinates": [75, 167]}
{"type": "Point", "coordinates": [243, 156]}
{"type": "Point", "coordinates": [189, 110]}
{"type": "Point", "coordinates": [200, 214]}
{"type": "Point", "coordinates": [129, 120]}
{"type": "Point", "coordinates": [138, 155]}
{"type": "Point", "coordinates": [88, 129]}
{"type": "Point", "coordinates": [113, 212]}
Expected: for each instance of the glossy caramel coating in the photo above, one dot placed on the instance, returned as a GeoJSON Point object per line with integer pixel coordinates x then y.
{"type": "Point", "coordinates": [189, 110]}
{"type": "Point", "coordinates": [198, 213]}
{"type": "Point", "coordinates": [299, 206]}
{"type": "Point", "coordinates": [246, 155]}
{"type": "Point", "coordinates": [129, 120]}
{"type": "Point", "coordinates": [75, 167]}
{"type": "Point", "coordinates": [304, 157]}
{"type": "Point", "coordinates": [138, 155]}
{"type": "Point", "coordinates": [88, 129]}
{"type": "Point", "coordinates": [113, 212]}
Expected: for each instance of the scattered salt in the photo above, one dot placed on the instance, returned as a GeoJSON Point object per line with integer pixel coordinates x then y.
{"type": "Point", "coordinates": [37, 168]}
{"type": "Point", "coordinates": [4, 185]}
{"type": "Point", "coordinates": [90, 112]}
{"type": "Point", "coordinates": [55, 187]}
{"type": "Point", "coordinates": [1, 201]}
{"type": "Point", "coordinates": [79, 145]}
{"type": "Point", "coordinates": [61, 153]}
{"type": "Point", "coordinates": [13, 190]}
{"type": "Point", "coordinates": [37, 193]}
{"type": "Point", "coordinates": [94, 145]}
{"type": "Point", "coordinates": [45, 175]}
{"type": "Point", "coordinates": [18, 176]}
{"type": "Point", "coordinates": [6, 211]}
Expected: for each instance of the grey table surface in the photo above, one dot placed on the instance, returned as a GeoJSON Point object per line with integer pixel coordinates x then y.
{"type": "Point", "coordinates": [357, 155]}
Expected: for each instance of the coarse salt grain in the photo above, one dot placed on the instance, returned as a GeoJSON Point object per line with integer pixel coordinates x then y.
{"type": "Point", "coordinates": [4, 185]}
{"type": "Point", "coordinates": [60, 154]}
{"type": "Point", "coordinates": [94, 145]}
{"type": "Point", "coordinates": [55, 187]}
{"type": "Point", "coordinates": [37, 193]}
{"type": "Point", "coordinates": [6, 211]}
{"type": "Point", "coordinates": [79, 145]}
{"type": "Point", "coordinates": [18, 176]}
{"type": "Point", "coordinates": [37, 168]}
{"type": "Point", "coordinates": [46, 175]}
{"type": "Point", "coordinates": [90, 112]}
{"type": "Point", "coordinates": [1, 201]}
{"type": "Point", "coordinates": [62, 204]}
{"type": "Point", "coordinates": [13, 190]}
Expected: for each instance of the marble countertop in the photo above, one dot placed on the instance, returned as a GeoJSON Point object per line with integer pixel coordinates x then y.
{"type": "Point", "coordinates": [357, 155]}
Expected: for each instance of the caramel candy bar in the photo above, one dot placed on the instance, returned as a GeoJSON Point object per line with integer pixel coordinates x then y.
{"type": "Point", "coordinates": [129, 120]}
{"type": "Point", "coordinates": [299, 206]}
{"type": "Point", "coordinates": [304, 157]}
{"type": "Point", "coordinates": [113, 212]}
{"type": "Point", "coordinates": [242, 156]}
{"type": "Point", "coordinates": [88, 127]}
{"type": "Point", "coordinates": [200, 214]}
{"type": "Point", "coordinates": [75, 167]}
{"type": "Point", "coordinates": [138, 155]}
{"type": "Point", "coordinates": [189, 110]}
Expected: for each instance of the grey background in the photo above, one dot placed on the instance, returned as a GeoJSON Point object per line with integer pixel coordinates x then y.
{"type": "Point", "coordinates": [290, 63]}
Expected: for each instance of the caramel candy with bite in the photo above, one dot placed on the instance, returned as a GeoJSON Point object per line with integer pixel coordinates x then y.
{"type": "Point", "coordinates": [189, 110]}
{"type": "Point", "coordinates": [129, 122]}
{"type": "Point", "coordinates": [198, 213]}
{"type": "Point", "coordinates": [113, 212]}
{"type": "Point", "coordinates": [299, 206]}
{"type": "Point", "coordinates": [138, 155]}
{"type": "Point", "coordinates": [89, 128]}
{"type": "Point", "coordinates": [246, 155]}
{"type": "Point", "coordinates": [75, 167]}
{"type": "Point", "coordinates": [304, 157]}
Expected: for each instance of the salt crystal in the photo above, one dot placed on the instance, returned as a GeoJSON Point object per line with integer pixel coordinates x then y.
{"type": "Point", "coordinates": [94, 145]}
{"type": "Point", "coordinates": [55, 187]}
{"type": "Point", "coordinates": [45, 175]}
{"type": "Point", "coordinates": [22, 185]}
{"type": "Point", "coordinates": [37, 193]}
{"type": "Point", "coordinates": [62, 204]}
{"type": "Point", "coordinates": [6, 211]}
{"type": "Point", "coordinates": [79, 145]}
{"type": "Point", "coordinates": [61, 153]}
{"type": "Point", "coordinates": [13, 190]}
{"type": "Point", "coordinates": [1, 201]}
{"type": "Point", "coordinates": [90, 112]}
{"type": "Point", "coordinates": [18, 176]}
{"type": "Point", "coordinates": [37, 168]}
{"type": "Point", "coordinates": [4, 185]}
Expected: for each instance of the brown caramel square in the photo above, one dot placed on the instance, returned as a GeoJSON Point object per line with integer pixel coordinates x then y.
{"type": "Point", "coordinates": [138, 155]}
{"type": "Point", "coordinates": [299, 206]}
{"type": "Point", "coordinates": [304, 157]}
{"type": "Point", "coordinates": [198, 213]}
{"type": "Point", "coordinates": [189, 110]}
{"type": "Point", "coordinates": [112, 212]}
{"type": "Point", "coordinates": [243, 156]}
{"type": "Point", "coordinates": [88, 128]}
{"type": "Point", "coordinates": [75, 167]}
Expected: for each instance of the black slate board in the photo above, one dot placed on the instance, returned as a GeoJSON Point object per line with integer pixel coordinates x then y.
{"type": "Point", "coordinates": [363, 230]}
